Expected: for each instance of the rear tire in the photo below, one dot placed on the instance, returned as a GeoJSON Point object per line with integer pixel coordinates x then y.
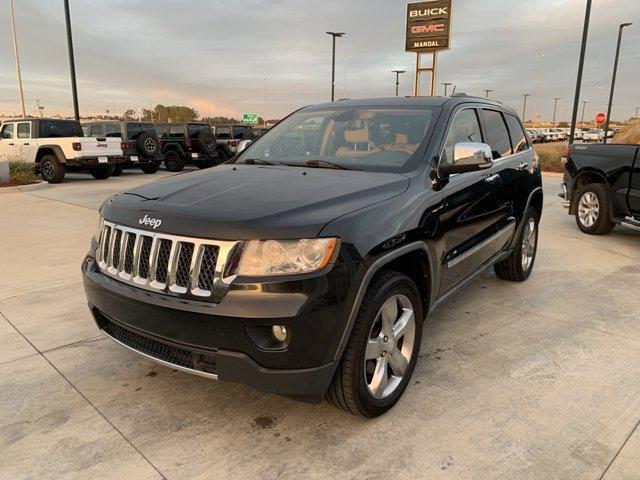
{"type": "Point", "coordinates": [223, 156]}
{"type": "Point", "coordinates": [519, 265]}
{"type": "Point", "coordinates": [173, 161]}
{"type": "Point", "coordinates": [593, 212]}
{"type": "Point", "coordinates": [151, 167]}
{"type": "Point", "coordinates": [382, 350]}
{"type": "Point", "coordinates": [101, 172]}
{"type": "Point", "coordinates": [51, 169]}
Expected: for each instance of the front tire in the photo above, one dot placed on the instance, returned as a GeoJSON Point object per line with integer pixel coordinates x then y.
{"type": "Point", "coordinates": [382, 350]}
{"type": "Point", "coordinates": [51, 169]}
{"type": "Point", "coordinates": [519, 265]}
{"type": "Point", "coordinates": [593, 210]}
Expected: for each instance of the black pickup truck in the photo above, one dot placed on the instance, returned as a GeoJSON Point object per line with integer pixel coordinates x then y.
{"type": "Point", "coordinates": [601, 186]}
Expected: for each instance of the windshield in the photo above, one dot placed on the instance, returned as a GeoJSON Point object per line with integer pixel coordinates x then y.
{"type": "Point", "coordinates": [380, 139]}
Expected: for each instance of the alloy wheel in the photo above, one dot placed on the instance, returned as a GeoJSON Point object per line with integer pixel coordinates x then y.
{"type": "Point", "coordinates": [47, 170]}
{"type": "Point", "coordinates": [390, 346]}
{"type": "Point", "coordinates": [528, 244]}
{"type": "Point", "coordinates": [150, 145]}
{"type": "Point", "coordinates": [588, 209]}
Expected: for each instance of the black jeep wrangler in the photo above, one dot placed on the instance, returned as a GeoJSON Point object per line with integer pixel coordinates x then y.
{"type": "Point", "coordinates": [306, 265]}
{"type": "Point", "coordinates": [140, 144]}
{"type": "Point", "coordinates": [229, 137]}
{"type": "Point", "coordinates": [187, 142]}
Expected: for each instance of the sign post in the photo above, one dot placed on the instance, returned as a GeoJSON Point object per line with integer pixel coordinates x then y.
{"type": "Point", "coordinates": [601, 118]}
{"type": "Point", "coordinates": [250, 118]}
{"type": "Point", "coordinates": [428, 32]}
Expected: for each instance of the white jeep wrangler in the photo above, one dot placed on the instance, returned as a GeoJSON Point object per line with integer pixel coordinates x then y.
{"type": "Point", "coordinates": [58, 146]}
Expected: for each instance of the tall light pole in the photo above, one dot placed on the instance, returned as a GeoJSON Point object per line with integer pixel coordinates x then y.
{"type": "Point", "coordinates": [334, 35]}
{"type": "Point", "coordinates": [536, 114]}
{"type": "Point", "coordinates": [637, 110]}
{"type": "Point", "coordinates": [398, 72]}
{"type": "Point", "coordinates": [555, 109]}
{"type": "Point", "coordinates": [524, 107]}
{"type": "Point", "coordinates": [584, 104]}
{"type": "Point", "coordinates": [583, 50]}
{"type": "Point", "coordinates": [17, 58]}
{"type": "Point", "coordinates": [72, 62]}
{"type": "Point", "coordinates": [486, 93]}
{"type": "Point", "coordinates": [446, 87]}
{"type": "Point", "coordinates": [613, 80]}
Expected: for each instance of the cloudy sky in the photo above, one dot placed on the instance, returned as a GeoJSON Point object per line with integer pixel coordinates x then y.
{"type": "Point", "coordinates": [215, 55]}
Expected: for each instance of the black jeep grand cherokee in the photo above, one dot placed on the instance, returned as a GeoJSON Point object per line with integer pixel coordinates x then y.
{"type": "Point", "coordinates": [306, 266]}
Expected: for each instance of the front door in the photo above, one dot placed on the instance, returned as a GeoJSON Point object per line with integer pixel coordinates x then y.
{"type": "Point", "coordinates": [470, 214]}
{"type": "Point", "coordinates": [7, 143]}
{"type": "Point", "coordinates": [24, 144]}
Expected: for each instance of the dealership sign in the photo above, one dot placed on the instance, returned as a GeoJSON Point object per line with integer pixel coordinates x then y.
{"type": "Point", "coordinates": [428, 26]}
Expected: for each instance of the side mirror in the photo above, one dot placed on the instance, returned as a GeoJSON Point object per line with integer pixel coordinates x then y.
{"type": "Point", "coordinates": [242, 146]}
{"type": "Point", "coordinates": [468, 157]}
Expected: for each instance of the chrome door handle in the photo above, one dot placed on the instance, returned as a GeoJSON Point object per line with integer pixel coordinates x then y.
{"type": "Point", "coordinates": [523, 166]}
{"type": "Point", "coordinates": [492, 178]}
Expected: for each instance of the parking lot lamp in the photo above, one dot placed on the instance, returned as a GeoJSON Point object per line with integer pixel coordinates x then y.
{"type": "Point", "coordinates": [584, 104]}
{"type": "Point", "coordinates": [555, 109]}
{"type": "Point", "coordinates": [613, 80]}
{"type": "Point", "coordinates": [524, 107]}
{"type": "Point", "coordinates": [333, 62]}
{"type": "Point", "coordinates": [398, 72]}
{"type": "Point", "coordinates": [446, 87]}
{"type": "Point", "coordinates": [583, 50]}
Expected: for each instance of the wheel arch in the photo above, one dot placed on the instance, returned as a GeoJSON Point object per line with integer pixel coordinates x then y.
{"type": "Point", "coordinates": [50, 150]}
{"type": "Point", "coordinates": [583, 178]}
{"type": "Point", "coordinates": [416, 260]}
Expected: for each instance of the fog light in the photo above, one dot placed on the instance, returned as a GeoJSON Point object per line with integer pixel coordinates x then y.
{"type": "Point", "coordinates": [279, 332]}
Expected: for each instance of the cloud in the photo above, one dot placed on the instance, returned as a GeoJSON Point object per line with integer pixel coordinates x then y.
{"type": "Point", "coordinates": [210, 52]}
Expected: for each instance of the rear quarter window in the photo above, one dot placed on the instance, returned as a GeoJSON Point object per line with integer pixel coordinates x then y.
{"type": "Point", "coordinates": [518, 137]}
{"type": "Point", "coordinates": [497, 134]}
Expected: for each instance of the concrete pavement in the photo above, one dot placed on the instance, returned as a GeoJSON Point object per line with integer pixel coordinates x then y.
{"type": "Point", "coordinates": [524, 381]}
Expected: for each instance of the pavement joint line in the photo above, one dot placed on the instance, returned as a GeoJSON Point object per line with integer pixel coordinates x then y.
{"type": "Point", "coordinates": [17, 359]}
{"type": "Point", "coordinates": [620, 450]}
{"type": "Point", "coordinates": [477, 337]}
{"type": "Point", "coordinates": [547, 317]}
{"type": "Point", "coordinates": [73, 344]}
{"type": "Point", "coordinates": [66, 282]}
{"type": "Point", "coordinates": [85, 399]}
{"type": "Point", "coordinates": [60, 201]}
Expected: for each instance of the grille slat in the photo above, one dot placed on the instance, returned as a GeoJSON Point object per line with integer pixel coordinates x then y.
{"type": "Point", "coordinates": [183, 266]}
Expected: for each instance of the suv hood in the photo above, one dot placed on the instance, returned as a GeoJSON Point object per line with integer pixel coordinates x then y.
{"type": "Point", "coordinates": [236, 202]}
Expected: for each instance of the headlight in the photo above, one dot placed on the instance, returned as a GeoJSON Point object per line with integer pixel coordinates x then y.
{"type": "Point", "coordinates": [285, 257]}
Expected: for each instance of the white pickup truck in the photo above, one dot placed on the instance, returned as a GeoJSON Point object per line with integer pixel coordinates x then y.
{"type": "Point", "coordinates": [58, 146]}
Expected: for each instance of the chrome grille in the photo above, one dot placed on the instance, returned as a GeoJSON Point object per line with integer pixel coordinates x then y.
{"type": "Point", "coordinates": [184, 266]}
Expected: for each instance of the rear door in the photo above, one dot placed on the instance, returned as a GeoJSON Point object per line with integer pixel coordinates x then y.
{"type": "Point", "coordinates": [470, 215]}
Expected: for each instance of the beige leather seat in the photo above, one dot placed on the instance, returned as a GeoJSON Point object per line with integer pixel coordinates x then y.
{"type": "Point", "coordinates": [401, 144]}
{"type": "Point", "coordinates": [358, 143]}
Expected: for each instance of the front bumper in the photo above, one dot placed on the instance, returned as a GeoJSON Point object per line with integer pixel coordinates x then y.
{"type": "Point", "coordinates": [226, 340]}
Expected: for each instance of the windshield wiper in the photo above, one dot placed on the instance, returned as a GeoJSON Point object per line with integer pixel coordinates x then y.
{"type": "Point", "coordinates": [257, 161]}
{"type": "Point", "coordinates": [321, 164]}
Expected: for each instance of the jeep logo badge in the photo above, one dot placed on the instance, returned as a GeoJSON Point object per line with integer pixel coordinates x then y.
{"type": "Point", "coordinates": [151, 222]}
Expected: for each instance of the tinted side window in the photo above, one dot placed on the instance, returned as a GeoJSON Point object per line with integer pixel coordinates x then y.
{"type": "Point", "coordinates": [7, 130]}
{"type": "Point", "coordinates": [497, 134]}
{"type": "Point", "coordinates": [176, 131]}
{"type": "Point", "coordinates": [223, 132]}
{"type": "Point", "coordinates": [518, 137]}
{"type": "Point", "coordinates": [24, 130]}
{"type": "Point", "coordinates": [464, 128]}
{"type": "Point", "coordinates": [60, 129]}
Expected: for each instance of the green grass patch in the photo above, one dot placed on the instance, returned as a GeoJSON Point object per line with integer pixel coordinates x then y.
{"type": "Point", "coordinates": [22, 173]}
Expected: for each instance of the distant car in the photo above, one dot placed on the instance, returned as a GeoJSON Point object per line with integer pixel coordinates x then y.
{"type": "Point", "coordinates": [535, 136]}
{"type": "Point", "coordinates": [187, 142]}
{"type": "Point", "coordinates": [259, 131]}
{"type": "Point", "coordinates": [139, 143]}
{"type": "Point", "coordinates": [57, 146]}
{"type": "Point", "coordinates": [543, 137]}
{"type": "Point", "coordinates": [592, 135]}
{"type": "Point", "coordinates": [229, 136]}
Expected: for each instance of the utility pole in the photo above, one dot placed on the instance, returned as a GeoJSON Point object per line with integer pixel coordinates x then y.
{"type": "Point", "coordinates": [334, 35]}
{"type": "Point", "coordinates": [446, 87]}
{"type": "Point", "coordinates": [637, 110]}
{"type": "Point", "coordinates": [486, 93]}
{"type": "Point", "coordinates": [536, 114]}
{"type": "Point", "coordinates": [524, 107]}
{"type": "Point", "coordinates": [584, 104]}
{"type": "Point", "coordinates": [72, 62]}
{"type": "Point", "coordinates": [555, 109]}
{"type": "Point", "coordinates": [583, 50]}
{"type": "Point", "coordinates": [398, 72]}
{"type": "Point", "coordinates": [613, 80]}
{"type": "Point", "coordinates": [264, 101]}
{"type": "Point", "coordinates": [17, 58]}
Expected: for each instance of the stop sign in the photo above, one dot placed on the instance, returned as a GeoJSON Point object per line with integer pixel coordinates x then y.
{"type": "Point", "coordinates": [601, 118]}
